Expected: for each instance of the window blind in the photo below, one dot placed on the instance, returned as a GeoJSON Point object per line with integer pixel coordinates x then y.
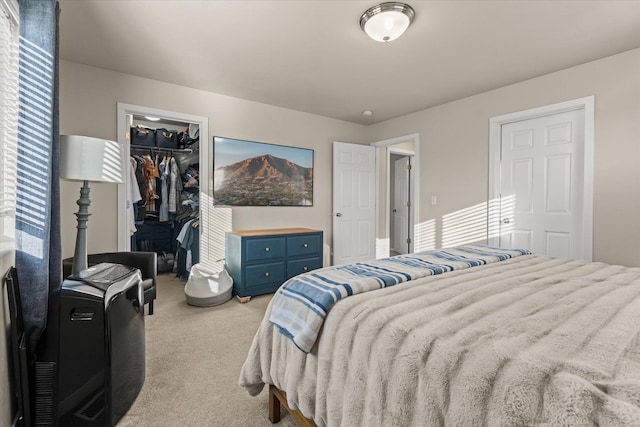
{"type": "Point", "coordinates": [9, 105]}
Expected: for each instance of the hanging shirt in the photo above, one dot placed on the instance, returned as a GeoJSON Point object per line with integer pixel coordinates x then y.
{"type": "Point", "coordinates": [163, 210]}
{"type": "Point", "coordinates": [176, 185]}
{"type": "Point", "coordinates": [186, 239]}
{"type": "Point", "coordinates": [134, 195]}
{"type": "Point", "coordinates": [150, 175]}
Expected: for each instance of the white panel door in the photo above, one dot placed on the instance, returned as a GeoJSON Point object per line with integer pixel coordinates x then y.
{"type": "Point", "coordinates": [400, 206]}
{"type": "Point", "coordinates": [541, 185]}
{"type": "Point", "coordinates": [354, 202]}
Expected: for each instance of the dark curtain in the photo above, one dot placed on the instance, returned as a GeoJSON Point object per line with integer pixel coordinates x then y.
{"type": "Point", "coordinates": [38, 246]}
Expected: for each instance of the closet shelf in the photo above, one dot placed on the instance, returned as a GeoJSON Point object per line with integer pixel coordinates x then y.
{"type": "Point", "coordinates": [161, 149]}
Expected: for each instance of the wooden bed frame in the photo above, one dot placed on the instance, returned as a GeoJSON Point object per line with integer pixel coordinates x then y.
{"type": "Point", "coordinates": [278, 397]}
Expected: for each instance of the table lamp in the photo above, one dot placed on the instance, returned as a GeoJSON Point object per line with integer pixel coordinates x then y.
{"type": "Point", "coordinates": [83, 158]}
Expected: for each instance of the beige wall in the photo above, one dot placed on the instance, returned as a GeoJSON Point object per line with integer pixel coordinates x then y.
{"type": "Point", "coordinates": [454, 147]}
{"type": "Point", "coordinates": [88, 102]}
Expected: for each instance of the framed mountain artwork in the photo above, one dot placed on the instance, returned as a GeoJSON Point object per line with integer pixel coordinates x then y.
{"type": "Point", "coordinates": [248, 173]}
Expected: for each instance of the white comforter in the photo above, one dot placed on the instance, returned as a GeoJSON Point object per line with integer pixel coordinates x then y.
{"type": "Point", "coordinates": [527, 341]}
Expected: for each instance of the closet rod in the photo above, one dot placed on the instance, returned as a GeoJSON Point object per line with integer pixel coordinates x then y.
{"type": "Point", "coordinates": [161, 149]}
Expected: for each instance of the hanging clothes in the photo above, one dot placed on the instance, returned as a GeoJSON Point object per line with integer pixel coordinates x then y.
{"type": "Point", "coordinates": [150, 175]}
{"type": "Point", "coordinates": [169, 199]}
{"type": "Point", "coordinates": [134, 195]}
{"type": "Point", "coordinates": [141, 206]}
{"type": "Point", "coordinates": [176, 186]}
{"type": "Point", "coordinates": [188, 252]}
{"type": "Point", "coordinates": [163, 209]}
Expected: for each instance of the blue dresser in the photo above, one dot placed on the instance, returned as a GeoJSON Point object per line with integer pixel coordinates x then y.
{"type": "Point", "coordinates": [259, 261]}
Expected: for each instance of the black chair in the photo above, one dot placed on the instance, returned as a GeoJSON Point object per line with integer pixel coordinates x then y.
{"type": "Point", "coordinates": [146, 262]}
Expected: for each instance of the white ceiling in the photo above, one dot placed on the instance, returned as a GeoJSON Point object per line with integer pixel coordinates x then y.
{"type": "Point", "coordinates": [312, 56]}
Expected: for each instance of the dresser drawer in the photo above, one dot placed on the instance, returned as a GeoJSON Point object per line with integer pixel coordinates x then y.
{"type": "Point", "coordinates": [261, 274]}
{"type": "Point", "coordinates": [264, 249]}
{"type": "Point", "coordinates": [303, 245]}
{"type": "Point", "coordinates": [299, 266]}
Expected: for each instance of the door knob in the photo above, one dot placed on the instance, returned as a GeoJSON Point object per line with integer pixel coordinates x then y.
{"type": "Point", "coordinates": [338, 214]}
{"type": "Point", "coordinates": [506, 221]}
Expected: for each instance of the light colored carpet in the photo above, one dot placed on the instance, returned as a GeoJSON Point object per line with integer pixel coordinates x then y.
{"type": "Point", "coordinates": [194, 356]}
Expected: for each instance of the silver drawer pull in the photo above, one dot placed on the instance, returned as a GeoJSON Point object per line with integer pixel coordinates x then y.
{"type": "Point", "coordinates": [267, 249]}
{"type": "Point", "coordinates": [266, 274]}
{"type": "Point", "coordinates": [305, 268]}
{"type": "Point", "coordinates": [306, 245]}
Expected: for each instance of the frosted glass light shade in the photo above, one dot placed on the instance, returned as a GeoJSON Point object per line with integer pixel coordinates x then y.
{"type": "Point", "coordinates": [387, 21]}
{"type": "Point", "coordinates": [84, 158]}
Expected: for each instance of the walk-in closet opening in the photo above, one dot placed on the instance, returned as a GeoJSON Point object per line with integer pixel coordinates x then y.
{"type": "Point", "coordinates": [160, 202]}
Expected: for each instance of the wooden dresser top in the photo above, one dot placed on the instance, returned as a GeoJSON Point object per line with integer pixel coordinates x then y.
{"type": "Point", "coordinates": [273, 231]}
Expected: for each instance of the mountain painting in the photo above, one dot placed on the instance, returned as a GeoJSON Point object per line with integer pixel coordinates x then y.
{"type": "Point", "coordinates": [248, 173]}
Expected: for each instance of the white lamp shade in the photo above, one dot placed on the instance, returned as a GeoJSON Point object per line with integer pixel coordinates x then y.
{"type": "Point", "coordinates": [84, 158]}
{"type": "Point", "coordinates": [387, 21]}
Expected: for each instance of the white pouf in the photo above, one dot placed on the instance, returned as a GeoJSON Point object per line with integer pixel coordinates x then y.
{"type": "Point", "coordinates": [206, 288]}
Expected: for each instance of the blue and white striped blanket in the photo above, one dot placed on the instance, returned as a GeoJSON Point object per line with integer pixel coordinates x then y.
{"type": "Point", "coordinates": [301, 304]}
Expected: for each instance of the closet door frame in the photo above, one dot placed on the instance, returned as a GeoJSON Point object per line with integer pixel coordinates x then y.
{"type": "Point", "coordinates": [206, 186]}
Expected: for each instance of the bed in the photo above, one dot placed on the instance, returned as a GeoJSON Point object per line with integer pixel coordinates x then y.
{"type": "Point", "coordinates": [524, 340]}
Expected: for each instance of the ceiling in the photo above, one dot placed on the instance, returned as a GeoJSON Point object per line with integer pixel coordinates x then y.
{"type": "Point", "coordinates": [312, 56]}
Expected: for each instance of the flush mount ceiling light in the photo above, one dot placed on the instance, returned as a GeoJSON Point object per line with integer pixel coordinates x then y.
{"type": "Point", "coordinates": [387, 21]}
